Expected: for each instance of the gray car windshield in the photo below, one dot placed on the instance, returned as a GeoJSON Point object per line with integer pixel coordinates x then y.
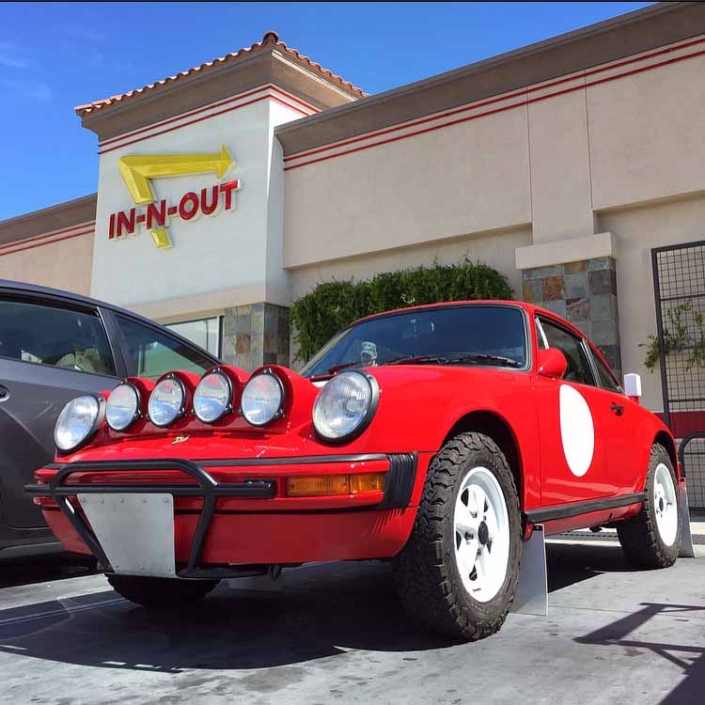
{"type": "Point", "coordinates": [477, 334]}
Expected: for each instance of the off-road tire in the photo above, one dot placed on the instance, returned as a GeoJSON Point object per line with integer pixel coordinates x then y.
{"type": "Point", "coordinates": [425, 571]}
{"type": "Point", "coordinates": [639, 536]}
{"type": "Point", "coordinates": [160, 593]}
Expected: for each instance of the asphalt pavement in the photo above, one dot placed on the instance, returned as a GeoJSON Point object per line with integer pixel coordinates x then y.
{"type": "Point", "coordinates": [336, 633]}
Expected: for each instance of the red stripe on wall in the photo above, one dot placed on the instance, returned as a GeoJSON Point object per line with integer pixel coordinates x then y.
{"type": "Point", "coordinates": [49, 242]}
{"type": "Point", "coordinates": [477, 116]}
{"type": "Point", "coordinates": [198, 111]}
{"type": "Point", "coordinates": [201, 119]}
{"type": "Point", "coordinates": [492, 101]}
{"type": "Point", "coordinates": [37, 238]}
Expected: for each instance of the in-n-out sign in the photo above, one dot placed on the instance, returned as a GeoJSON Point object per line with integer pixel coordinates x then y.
{"type": "Point", "coordinates": [138, 171]}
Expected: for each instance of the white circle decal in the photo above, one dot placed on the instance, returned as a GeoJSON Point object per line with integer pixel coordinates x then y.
{"type": "Point", "coordinates": [577, 430]}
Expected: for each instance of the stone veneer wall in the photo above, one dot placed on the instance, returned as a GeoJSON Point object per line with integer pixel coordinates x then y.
{"type": "Point", "coordinates": [584, 293]}
{"type": "Point", "coordinates": [255, 335]}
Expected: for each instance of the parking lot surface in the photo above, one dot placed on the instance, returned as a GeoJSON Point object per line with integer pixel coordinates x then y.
{"type": "Point", "coordinates": [335, 633]}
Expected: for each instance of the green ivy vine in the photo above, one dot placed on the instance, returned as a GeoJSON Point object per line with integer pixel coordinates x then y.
{"type": "Point", "coordinates": [320, 314]}
{"type": "Point", "coordinates": [678, 338]}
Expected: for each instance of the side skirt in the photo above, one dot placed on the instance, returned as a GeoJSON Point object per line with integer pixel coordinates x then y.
{"type": "Point", "coordinates": [575, 509]}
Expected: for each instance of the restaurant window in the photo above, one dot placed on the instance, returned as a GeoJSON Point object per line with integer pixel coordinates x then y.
{"type": "Point", "coordinates": [204, 332]}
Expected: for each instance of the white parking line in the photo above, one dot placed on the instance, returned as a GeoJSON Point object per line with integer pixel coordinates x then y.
{"type": "Point", "coordinates": [59, 612]}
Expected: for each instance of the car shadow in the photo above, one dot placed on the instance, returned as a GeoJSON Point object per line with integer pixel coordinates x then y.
{"type": "Point", "coordinates": [323, 611]}
{"type": "Point", "coordinates": [314, 612]}
{"type": "Point", "coordinates": [42, 564]}
{"type": "Point", "coordinates": [571, 563]}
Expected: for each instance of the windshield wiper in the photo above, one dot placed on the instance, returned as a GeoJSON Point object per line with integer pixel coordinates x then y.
{"type": "Point", "coordinates": [336, 368]}
{"type": "Point", "coordinates": [442, 360]}
{"type": "Point", "coordinates": [418, 360]}
{"type": "Point", "coordinates": [484, 357]}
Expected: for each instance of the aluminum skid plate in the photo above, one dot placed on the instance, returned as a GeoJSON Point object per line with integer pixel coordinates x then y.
{"type": "Point", "coordinates": [136, 531]}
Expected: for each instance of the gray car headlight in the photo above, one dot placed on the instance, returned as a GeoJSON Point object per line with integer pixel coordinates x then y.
{"type": "Point", "coordinates": [166, 402]}
{"type": "Point", "coordinates": [262, 399]}
{"type": "Point", "coordinates": [77, 422]}
{"type": "Point", "coordinates": [212, 398]}
{"type": "Point", "coordinates": [345, 406]}
{"type": "Point", "coordinates": [123, 407]}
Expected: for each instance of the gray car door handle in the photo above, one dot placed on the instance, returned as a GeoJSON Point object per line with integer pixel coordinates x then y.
{"type": "Point", "coordinates": [4, 393]}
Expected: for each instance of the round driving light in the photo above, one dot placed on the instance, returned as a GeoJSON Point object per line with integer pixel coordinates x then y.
{"type": "Point", "coordinates": [123, 407]}
{"type": "Point", "coordinates": [211, 400]}
{"type": "Point", "coordinates": [262, 399]}
{"type": "Point", "coordinates": [345, 405]}
{"type": "Point", "coordinates": [166, 402]}
{"type": "Point", "coordinates": [76, 423]}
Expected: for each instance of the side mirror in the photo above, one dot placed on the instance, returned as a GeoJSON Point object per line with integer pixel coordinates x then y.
{"type": "Point", "coordinates": [632, 386]}
{"type": "Point", "coordinates": [552, 363]}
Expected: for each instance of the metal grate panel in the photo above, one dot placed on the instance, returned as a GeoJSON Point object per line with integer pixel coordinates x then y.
{"type": "Point", "coordinates": [679, 287]}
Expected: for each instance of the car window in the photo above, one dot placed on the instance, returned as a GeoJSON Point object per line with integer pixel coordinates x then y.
{"type": "Point", "coordinates": [572, 347]}
{"type": "Point", "coordinates": [151, 353]}
{"type": "Point", "coordinates": [59, 337]}
{"type": "Point", "coordinates": [491, 334]}
{"type": "Point", "coordinates": [541, 337]}
{"type": "Point", "coordinates": [607, 379]}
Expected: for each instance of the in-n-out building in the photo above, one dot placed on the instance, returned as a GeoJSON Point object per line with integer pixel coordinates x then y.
{"type": "Point", "coordinates": [229, 190]}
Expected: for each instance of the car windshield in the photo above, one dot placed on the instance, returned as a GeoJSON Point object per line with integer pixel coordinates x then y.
{"type": "Point", "coordinates": [474, 334]}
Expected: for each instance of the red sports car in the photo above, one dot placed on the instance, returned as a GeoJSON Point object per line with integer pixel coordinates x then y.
{"type": "Point", "coordinates": [435, 436]}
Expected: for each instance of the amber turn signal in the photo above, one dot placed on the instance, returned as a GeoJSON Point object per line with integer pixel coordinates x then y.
{"type": "Point", "coordinates": [327, 485]}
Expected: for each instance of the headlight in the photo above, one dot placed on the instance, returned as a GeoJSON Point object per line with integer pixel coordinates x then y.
{"type": "Point", "coordinates": [77, 422]}
{"type": "Point", "coordinates": [212, 398]}
{"type": "Point", "coordinates": [262, 399]}
{"type": "Point", "coordinates": [166, 402]}
{"type": "Point", "coordinates": [123, 407]}
{"type": "Point", "coordinates": [345, 405]}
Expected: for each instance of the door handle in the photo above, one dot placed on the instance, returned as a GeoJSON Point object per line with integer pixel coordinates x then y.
{"type": "Point", "coordinates": [4, 393]}
{"type": "Point", "coordinates": [617, 408]}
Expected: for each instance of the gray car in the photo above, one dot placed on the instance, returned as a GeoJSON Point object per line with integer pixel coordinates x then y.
{"type": "Point", "coordinates": [54, 346]}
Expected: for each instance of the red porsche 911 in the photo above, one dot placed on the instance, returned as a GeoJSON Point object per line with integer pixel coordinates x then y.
{"type": "Point", "coordinates": [436, 436]}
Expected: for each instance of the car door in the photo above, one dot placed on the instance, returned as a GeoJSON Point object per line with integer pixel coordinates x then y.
{"type": "Point", "coordinates": [580, 434]}
{"type": "Point", "coordinates": [624, 464]}
{"type": "Point", "coordinates": [51, 350]}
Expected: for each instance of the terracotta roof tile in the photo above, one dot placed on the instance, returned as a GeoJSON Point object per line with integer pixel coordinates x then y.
{"type": "Point", "coordinates": [270, 39]}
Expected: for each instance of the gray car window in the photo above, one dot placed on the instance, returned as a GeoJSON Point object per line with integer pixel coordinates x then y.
{"type": "Point", "coordinates": [578, 364]}
{"type": "Point", "coordinates": [59, 337]}
{"type": "Point", "coordinates": [607, 378]}
{"type": "Point", "coordinates": [152, 353]}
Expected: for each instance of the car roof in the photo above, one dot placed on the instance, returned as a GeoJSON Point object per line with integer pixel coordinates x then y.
{"type": "Point", "coordinates": [8, 285]}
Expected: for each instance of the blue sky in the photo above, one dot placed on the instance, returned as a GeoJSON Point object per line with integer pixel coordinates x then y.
{"type": "Point", "coordinates": [54, 56]}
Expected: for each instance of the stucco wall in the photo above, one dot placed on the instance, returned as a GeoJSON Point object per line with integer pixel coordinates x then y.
{"type": "Point", "coordinates": [468, 178]}
{"type": "Point", "coordinates": [494, 249]}
{"type": "Point", "coordinates": [62, 263]}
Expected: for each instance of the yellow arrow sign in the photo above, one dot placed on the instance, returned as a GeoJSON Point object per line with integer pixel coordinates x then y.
{"type": "Point", "coordinates": [137, 171]}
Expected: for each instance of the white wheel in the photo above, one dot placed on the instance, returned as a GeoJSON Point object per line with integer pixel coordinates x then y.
{"type": "Point", "coordinates": [457, 574]}
{"type": "Point", "coordinates": [481, 523]}
{"type": "Point", "coordinates": [665, 505]}
{"type": "Point", "coordinates": [652, 538]}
